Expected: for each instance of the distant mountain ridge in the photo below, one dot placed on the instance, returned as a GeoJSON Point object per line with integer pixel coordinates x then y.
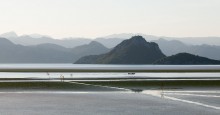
{"type": "Point", "coordinates": [12, 53]}
{"type": "Point", "coordinates": [167, 45]}
{"type": "Point", "coordinates": [93, 48]}
{"type": "Point", "coordinates": [109, 41]}
{"type": "Point", "coordinates": [36, 39]}
{"type": "Point", "coordinates": [11, 34]}
{"type": "Point", "coordinates": [44, 53]}
{"type": "Point", "coordinates": [171, 47]}
{"type": "Point", "coordinates": [210, 40]}
{"type": "Point", "coordinates": [186, 59]}
{"type": "Point", "coordinates": [132, 51]}
{"type": "Point", "coordinates": [135, 50]}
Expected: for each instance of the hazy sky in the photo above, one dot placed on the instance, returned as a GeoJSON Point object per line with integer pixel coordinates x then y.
{"type": "Point", "coordinates": [94, 18]}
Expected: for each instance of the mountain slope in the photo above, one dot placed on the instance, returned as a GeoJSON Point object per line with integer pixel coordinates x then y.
{"type": "Point", "coordinates": [109, 42]}
{"type": "Point", "coordinates": [44, 53]}
{"type": "Point", "coordinates": [93, 48]}
{"type": "Point", "coordinates": [9, 35]}
{"type": "Point", "coordinates": [186, 59]}
{"type": "Point", "coordinates": [12, 53]}
{"type": "Point", "coordinates": [174, 46]}
{"type": "Point", "coordinates": [27, 40]}
{"type": "Point", "coordinates": [132, 51]}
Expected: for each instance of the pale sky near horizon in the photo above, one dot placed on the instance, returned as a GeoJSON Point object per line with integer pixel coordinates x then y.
{"type": "Point", "coordinates": [95, 18]}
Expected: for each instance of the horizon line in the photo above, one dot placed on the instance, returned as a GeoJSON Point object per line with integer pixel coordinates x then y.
{"type": "Point", "coordinates": [104, 36]}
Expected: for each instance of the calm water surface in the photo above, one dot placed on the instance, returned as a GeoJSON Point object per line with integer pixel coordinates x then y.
{"type": "Point", "coordinates": [94, 75]}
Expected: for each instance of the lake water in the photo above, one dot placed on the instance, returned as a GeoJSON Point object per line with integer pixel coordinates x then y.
{"type": "Point", "coordinates": [93, 75]}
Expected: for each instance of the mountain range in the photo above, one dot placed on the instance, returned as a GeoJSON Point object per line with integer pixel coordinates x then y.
{"type": "Point", "coordinates": [171, 47]}
{"type": "Point", "coordinates": [113, 40]}
{"type": "Point", "coordinates": [79, 47]}
{"type": "Point", "coordinates": [45, 53]}
{"type": "Point", "coordinates": [36, 39]}
{"type": "Point", "coordinates": [186, 59]}
{"type": "Point", "coordinates": [137, 50]}
{"type": "Point", "coordinates": [132, 51]}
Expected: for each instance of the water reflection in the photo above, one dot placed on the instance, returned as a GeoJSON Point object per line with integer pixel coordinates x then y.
{"type": "Point", "coordinates": [108, 75]}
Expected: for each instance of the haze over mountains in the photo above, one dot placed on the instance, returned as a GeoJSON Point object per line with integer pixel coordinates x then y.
{"type": "Point", "coordinates": [37, 39]}
{"type": "Point", "coordinates": [137, 50]}
{"type": "Point", "coordinates": [45, 53]}
{"type": "Point", "coordinates": [114, 39]}
{"type": "Point", "coordinates": [69, 50]}
{"type": "Point", "coordinates": [174, 46]}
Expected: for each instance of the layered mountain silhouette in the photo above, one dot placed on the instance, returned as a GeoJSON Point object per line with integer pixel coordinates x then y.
{"type": "Point", "coordinates": [109, 42]}
{"type": "Point", "coordinates": [10, 34]}
{"type": "Point", "coordinates": [37, 39]}
{"type": "Point", "coordinates": [138, 51]}
{"type": "Point", "coordinates": [37, 48]}
{"type": "Point", "coordinates": [135, 50]}
{"type": "Point", "coordinates": [93, 48]}
{"type": "Point", "coordinates": [45, 53]}
{"type": "Point", "coordinates": [186, 59]}
{"type": "Point", "coordinates": [172, 47]}
{"type": "Point", "coordinates": [202, 46]}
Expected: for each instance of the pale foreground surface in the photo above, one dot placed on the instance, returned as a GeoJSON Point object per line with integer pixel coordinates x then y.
{"type": "Point", "coordinates": [115, 102]}
{"type": "Point", "coordinates": [96, 104]}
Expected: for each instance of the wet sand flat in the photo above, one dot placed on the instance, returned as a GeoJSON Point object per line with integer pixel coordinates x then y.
{"type": "Point", "coordinates": [68, 98]}
{"type": "Point", "coordinates": [95, 104]}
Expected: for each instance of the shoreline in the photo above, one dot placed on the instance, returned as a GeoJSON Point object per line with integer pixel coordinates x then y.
{"type": "Point", "coordinates": [50, 86]}
{"type": "Point", "coordinates": [99, 85]}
